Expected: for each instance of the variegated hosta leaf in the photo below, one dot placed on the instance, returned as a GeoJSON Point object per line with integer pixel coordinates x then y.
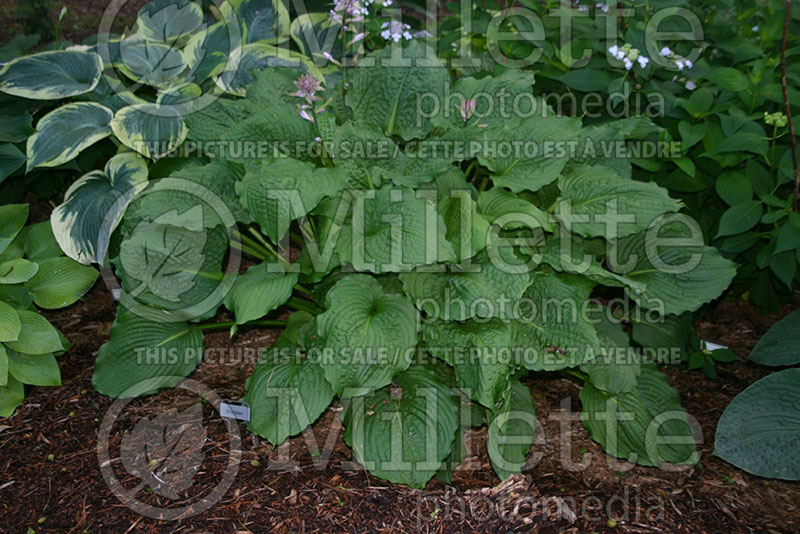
{"type": "Point", "coordinates": [149, 129]}
{"type": "Point", "coordinates": [52, 75]}
{"type": "Point", "coordinates": [208, 52]}
{"type": "Point", "coordinates": [94, 205]}
{"type": "Point", "coordinates": [150, 63]}
{"type": "Point", "coordinates": [16, 124]}
{"type": "Point", "coordinates": [250, 58]}
{"type": "Point", "coordinates": [64, 132]}
{"type": "Point", "coordinates": [596, 202]}
{"type": "Point", "coordinates": [166, 20]}
{"type": "Point", "coordinates": [261, 20]}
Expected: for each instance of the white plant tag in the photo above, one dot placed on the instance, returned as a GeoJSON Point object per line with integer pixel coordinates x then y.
{"type": "Point", "coordinates": [713, 346]}
{"type": "Point", "coordinates": [116, 293]}
{"type": "Point", "coordinates": [229, 409]}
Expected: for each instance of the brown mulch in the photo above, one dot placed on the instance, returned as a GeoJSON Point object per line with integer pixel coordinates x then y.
{"type": "Point", "coordinates": [325, 492]}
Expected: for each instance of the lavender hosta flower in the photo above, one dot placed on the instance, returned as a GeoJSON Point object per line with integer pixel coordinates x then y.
{"type": "Point", "coordinates": [467, 108]}
{"type": "Point", "coordinates": [643, 61]}
{"type": "Point", "coordinates": [307, 87]}
{"type": "Point", "coordinates": [683, 64]}
{"type": "Point", "coordinates": [347, 11]}
{"type": "Point", "coordinates": [666, 51]}
{"type": "Point", "coordinates": [395, 31]}
{"type": "Point", "coordinates": [602, 7]}
{"type": "Point", "coordinates": [691, 85]}
{"type": "Point", "coordinates": [306, 115]}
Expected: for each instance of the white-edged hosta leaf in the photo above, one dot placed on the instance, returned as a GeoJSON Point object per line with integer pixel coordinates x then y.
{"type": "Point", "coordinates": [760, 430]}
{"type": "Point", "coordinates": [208, 52]}
{"type": "Point", "coordinates": [150, 63]}
{"type": "Point", "coordinates": [595, 200]}
{"type": "Point", "coordinates": [646, 425]}
{"type": "Point", "coordinates": [12, 221]}
{"type": "Point", "coordinates": [34, 369]}
{"type": "Point", "coordinates": [166, 20]}
{"type": "Point", "coordinates": [150, 129]}
{"type": "Point", "coordinates": [512, 430]}
{"type": "Point", "coordinates": [258, 292]}
{"type": "Point", "coordinates": [403, 432]}
{"type": "Point", "coordinates": [11, 396]}
{"type": "Point", "coordinates": [37, 335]}
{"type": "Point", "coordinates": [94, 205]}
{"type": "Point", "coordinates": [51, 75]}
{"type": "Point", "coordinates": [685, 275]}
{"type": "Point", "coordinates": [142, 356]}
{"type": "Point", "coordinates": [285, 396]}
{"type": "Point", "coordinates": [247, 60]}
{"type": "Point", "coordinates": [10, 325]}
{"type": "Point", "coordinates": [64, 132]}
{"type": "Point", "coordinates": [17, 271]}
{"type": "Point", "coordinates": [11, 159]}
{"type": "Point", "coordinates": [261, 20]}
{"type": "Point", "coordinates": [60, 282]}
{"type": "Point", "coordinates": [371, 334]}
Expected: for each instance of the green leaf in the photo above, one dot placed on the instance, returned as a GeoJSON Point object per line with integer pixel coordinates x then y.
{"type": "Point", "coordinates": [607, 371]}
{"type": "Point", "coordinates": [734, 188]}
{"type": "Point", "coordinates": [609, 204]}
{"type": "Point", "coordinates": [246, 61]}
{"type": "Point", "coordinates": [150, 63]}
{"type": "Point", "coordinates": [51, 75]}
{"type": "Point", "coordinates": [781, 344]}
{"type": "Point", "coordinates": [66, 131]}
{"type": "Point", "coordinates": [40, 243]}
{"type": "Point", "coordinates": [152, 130]}
{"type": "Point", "coordinates": [167, 20]}
{"type": "Point", "coordinates": [667, 332]}
{"type": "Point", "coordinates": [258, 292]}
{"type": "Point", "coordinates": [16, 126]}
{"type": "Point", "coordinates": [143, 356]}
{"type": "Point", "coordinates": [512, 431]}
{"type": "Point", "coordinates": [286, 396]}
{"type": "Point", "coordinates": [10, 325]}
{"type": "Point", "coordinates": [586, 79]}
{"type": "Point", "coordinates": [501, 206]}
{"type": "Point", "coordinates": [60, 282]}
{"type": "Point", "coordinates": [17, 271]}
{"type": "Point", "coordinates": [784, 265]}
{"type": "Point", "coordinates": [11, 396]}
{"type": "Point", "coordinates": [12, 221]}
{"type": "Point", "coordinates": [3, 366]}
{"type": "Point", "coordinates": [370, 334]}
{"type": "Point", "coordinates": [740, 218]}
{"type": "Point", "coordinates": [403, 433]}
{"type": "Point", "coordinates": [729, 79]}
{"type": "Point", "coordinates": [646, 425]}
{"type": "Point", "coordinates": [262, 19]}
{"type": "Point", "coordinates": [760, 430]}
{"type": "Point", "coordinates": [389, 93]}
{"type": "Point", "coordinates": [11, 159]}
{"type": "Point", "coordinates": [34, 369]}
{"type": "Point", "coordinates": [94, 205]}
{"type": "Point", "coordinates": [788, 239]}
{"type": "Point", "coordinates": [37, 335]}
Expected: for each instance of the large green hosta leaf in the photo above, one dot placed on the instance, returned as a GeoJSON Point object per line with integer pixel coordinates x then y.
{"type": "Point", "coordinates": [167, 20]}
{"type": "Point", "coordinates": [615, 367]}
{"type": "Point", "coordinates": [143, 356]}
{"type": "Point", "coordinates": [596, 202]}
{"type": "Point", "coordinates": [258, 292]}
{"type": "Point", "coordinates": [17, 271]}
{"type": "Point", "coordinates": [94, 205]}
{"type": "Point", "coordinates": [52, 75]}
{"type": "Point", "coordinates": [512, 430]}
{"type": "Point", "coordinates": [16, 126]}
{"type": "Point", "coordinates": [10, 324]}
{"type": "Point", "coordinates": [502, 207]}
{"type": "Point", "coordinates": [388, 92]}
{"type": "Point", "coordinates": [11, 396]}
{"type": "Point", "coordinates": [64, 132]}
{"type": "Point", "coordinates": [37, 335]}
{"type": "Point", "coordinates": [152, 130]}
{"type": "Point", "coordinates": [34, 369]}
{"type": "Point", "coordinates": [678, 277]}
{"type": "Point", "coordinates": [371, 334]}
{"type": "Point", "coordinates": [12, 221]}
{"type": "Point", "coordinates": [646, 425]}
{"type": "Point", "coordinates": [402, 433]}
{"type": "Point", "coordinates": [11, 159]}
{"type": "Point", "coordinates": [60, 282]}
{"type": "Point", "coordinates": [760, 430]}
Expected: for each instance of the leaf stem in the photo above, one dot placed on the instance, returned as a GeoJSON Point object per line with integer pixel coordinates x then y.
{"type": "Point", "coordinates": [228, 324]}
{"type": "Point", "coordinates": [583, 377]}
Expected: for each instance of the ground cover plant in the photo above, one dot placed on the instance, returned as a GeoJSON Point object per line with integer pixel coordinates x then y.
{"type": "Point", "coordinates": [432, 247]}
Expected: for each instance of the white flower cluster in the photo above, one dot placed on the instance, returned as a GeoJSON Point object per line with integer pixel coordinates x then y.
{"type": "Point", "coordinates": [395, 30]}
{"type": "Point", "coordinates": [680, 62]}
{"type": "Point", "coordinates": [628, 54]}
{"type": "Point", "coordinates": [348, 11]}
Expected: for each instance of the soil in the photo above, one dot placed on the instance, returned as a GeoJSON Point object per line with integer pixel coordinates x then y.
{"type": "Point", "coordinates": [67, 492]}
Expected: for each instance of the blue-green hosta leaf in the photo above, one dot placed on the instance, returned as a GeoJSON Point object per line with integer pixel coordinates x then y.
{"type": "Point", "coordinates": [781, 344]}
{"type": "Point", "coordinates": [596, 202]}
{"type": "Point", "coordinates": [254, 57]}
{"type": "Point", "coordinates": [402, 433]}
{"type": "Point", "coordinates": [10, 324]}
{"type": "Point", "coordinates": [51, 75]}
{"type": "Point", "coordinates": [12, 221]}
{"type": "Point", "coordinates": [143, 356]}
{"type": "Point", "coordinates": [11, 159]}
{"type": "Point", "coordinates": [599, 145]}
{"type": "Point", "coordinates": [113, 94]}
{"type": "Point", "coordinates": [472, 348]}
{"type": "Point", "coordinates": [394, 230]}
{"type": "Point", "coordinates": [370, 333]}
{"type": "Point", "coordinates": [262, 20]}
{"type": "Point", "coordinates": [16, 125]}
{"type": "Point", "coordinates": [387, 92]}
{"type": "Point", "coordinates": [554, 322]}
{"type": "Point", "coordinates": [37, 335]}
{"type": "Point", "coordinates": [17, 271]}
{"type": "Point", "coordinates": [678, 277]}
{"type": "Point", "coordinates": [11, 396]}
{"type": "Point", "coordinates": [258, 292]}
{"type": "Point", "coordinates": [166, 20]}
{"type": "Point", "coordinates": [512, 430]}
{"type": "Point", "coordinates": [34, 369]}
{"type": "Point", "coordinates": [150, 129]}
{"type": "Point", "coordinates": [607, 372]}
{"type": "Point", "coordinates": [502, 207]}
{"type": "Point", "coordinates": [60, 282]}
{"type": "Point", "coordinates": [646, 425]}
{"type": "Point", "coordinates": [666, 333]}
{"type": "Point", "coordinates": [286, 190]}
{"type": "Point", "coordinates": [64, 132]}
{"type": "Point", "coordinates": [760, 430]}
{"type": "Point", "coordinates": [94, 205]}
{"type": "Point", "coordinates": [479, 289]}
{"type": "Point", "coordinates": [286, 396]}
{"type": "Point", "coordinates": [150, 63]}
